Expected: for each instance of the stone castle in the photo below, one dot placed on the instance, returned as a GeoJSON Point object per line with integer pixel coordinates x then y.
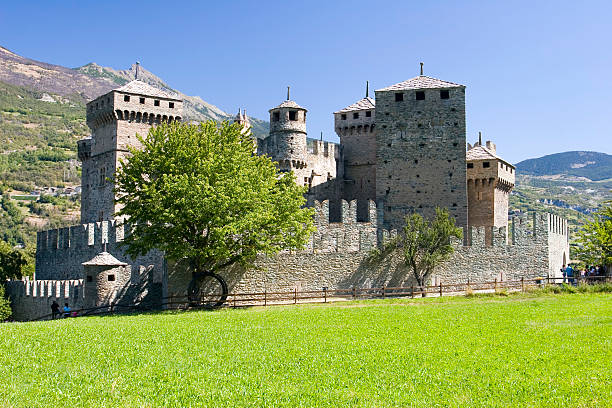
{"type": "Point", "coordinates": [401, 152]}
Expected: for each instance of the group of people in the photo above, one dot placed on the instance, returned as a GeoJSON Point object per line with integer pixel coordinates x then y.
{"type": "Point", "coordinates": [585, 274]}
{"type": "Point", "coordinates": [66, 312]}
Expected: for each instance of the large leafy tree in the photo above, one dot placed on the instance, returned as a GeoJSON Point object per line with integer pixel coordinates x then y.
{"type": "Point", "coordinates": [423, 244]}
{"type": "Point", "coordinates": [595, 238]}
{"type": "Point", "coordinates": [13, 262]}
{"type": "Point", "coordinates": [199, 193]}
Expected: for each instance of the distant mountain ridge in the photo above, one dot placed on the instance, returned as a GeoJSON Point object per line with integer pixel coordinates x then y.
{"type": "Point", "coordinates": [92, 80]}
{"type": "Point", "coordinates": [593, 166]}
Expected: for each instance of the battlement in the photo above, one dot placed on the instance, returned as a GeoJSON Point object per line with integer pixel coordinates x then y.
{"type": "Point", "coordinates": [322, 148]}
{"type": "Point", "coordinates": [59, 289]}
{"type": "Point", "coordinates": [80, 236]}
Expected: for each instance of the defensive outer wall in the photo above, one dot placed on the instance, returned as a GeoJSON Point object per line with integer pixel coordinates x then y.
{"type": "Point", "coordinates": [335, 257]}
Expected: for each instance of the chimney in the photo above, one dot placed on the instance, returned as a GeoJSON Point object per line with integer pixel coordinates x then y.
{"type": "Point", "coordinates": [491, 146]}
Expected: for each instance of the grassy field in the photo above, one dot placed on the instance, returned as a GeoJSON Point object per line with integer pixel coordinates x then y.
{"type": "Point", "coordinates": [521, 350]}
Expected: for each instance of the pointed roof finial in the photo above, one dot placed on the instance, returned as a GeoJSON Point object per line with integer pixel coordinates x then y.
{"type": "Point", "coordinates": [480, 138]}
{"type": "Point", "coordinates": [238, 111]}
{"type": "Point", "coordinates": [137, 66]}
{"type": "Point", "coordinates": [244, 112]}
{"type": "Point", "coordinates": [288, 88]}
{"type": "Point", "coordinates": [367, 89]}
{"type": "Point", "coordinates": [421, 68]}
{"type": "Point", "coordinates": [321, 135]}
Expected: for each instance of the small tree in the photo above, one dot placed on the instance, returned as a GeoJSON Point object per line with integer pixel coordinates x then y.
{"type": "Point", "coordinates": [199, 193]}
{"type": "Point", "coordinates": [13, 262]}
{"type": "Point", "coordinates": [424, 244]}
{"type": "Point", "coordinates": [595, 238]}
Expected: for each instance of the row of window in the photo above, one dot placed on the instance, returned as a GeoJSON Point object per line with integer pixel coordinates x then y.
{"type": "Point", "coordinates": [126, 98]}
{"type": "Point", "coordinates": [156, 102]}
{"type": "Point", "coordinates": [488, 164]}
{"type": "Point", "coordinates": [420, 95]}
{"type": "Point", "coordinates": [368, 114]}
{"type": "Point", "coordinates": [293, 115]}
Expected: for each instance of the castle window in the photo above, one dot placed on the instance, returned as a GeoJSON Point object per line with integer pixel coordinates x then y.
{"type": "Point", "coordinates": [171, 105]}
{"type": "Point", "coordinates": [399, 97]}
{"type": "Point", "coordinates": [89, 278]}
{"type": "Point", "coordinates": [142, 100]}
{"type": "Point", "coordinates": [102, 180]}
{"type": "Point", "coordinates": [420, 95]}
{"type": "Point", "coordinates": [444, 94]}
{"type": "Point", "coordinates": [356, 115]}
{"type": "Point", "coordinates": [276, 116]}
{"type": "Point", "coordinates": [416, 161]}
{"type": "Point", "coordinates": [486, 164]}
{"type": "Point", "coordinates": [102, 103]}
{"type": "Point", "coordinates": [111, 278]}
{"type": "Point", "coordinates": [480, 195]}
{"type": "Point", "coordinates": [470, 165]}
{"type": "Point", "coordinates": [126, 98]}
{"type": "Point", "coordinates": [156, 102]}
{"type": "Point", "coordinates": [368, 114]}
{"type": "Point", "coordinates": [343, 116]}
{"type": "Point", "coordinates": [454, 204]}
{"type": "Point", "coordinates": [292, 115]}
{"type": "Point", "coordinates": [454, 144]}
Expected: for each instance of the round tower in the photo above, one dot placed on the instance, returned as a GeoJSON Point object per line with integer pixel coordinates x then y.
{"type": "Point", "coordinates": [288, 135]}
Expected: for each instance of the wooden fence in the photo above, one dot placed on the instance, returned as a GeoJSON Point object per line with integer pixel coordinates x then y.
{"type": "Point", "coordinates": [326, 295]}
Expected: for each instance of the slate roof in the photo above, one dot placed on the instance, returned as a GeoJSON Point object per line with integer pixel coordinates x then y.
{"type": "Point", "coordinates": [142, 88]}
{"type": "Point", "coordinates": [481, 153]}
{"type": "Point", "coordinates": [421, 82]}
{"type": "Point", "coordinates": [104, 259]}
{"type": "Point", "coordinates": [365, 103]}
{"type": "Point", "coordinates": [289, 104]}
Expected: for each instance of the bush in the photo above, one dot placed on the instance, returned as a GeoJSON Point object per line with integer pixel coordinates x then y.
{"type": "Point", "coordinates": [5, 306]}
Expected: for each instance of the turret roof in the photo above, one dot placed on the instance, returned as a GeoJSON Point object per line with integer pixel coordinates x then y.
{"type": "Point", "coordinates": [421, 82]}
{"type": "Point", "coordinates": [365, 103]}
{"type": "Point", "coordinates": [480, 152]}
{"type": "Point", "coordinates": [289, 104]}
{"type": "Point", "coordinates": [142, 88]}
{"type": "Point", "coordinates": [104, 259]}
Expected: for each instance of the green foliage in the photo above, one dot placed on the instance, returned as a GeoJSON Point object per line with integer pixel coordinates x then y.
{"type": "Point", "coordinates": [595, 238]}
{"type": "Point", "coordinates": [5, 305]}
{"type": "Point", "coordinates": [545, 351]}
{"type": "Point", "coordinates": [198, 192]}
{"type": "Point", "coordinates": [13, 262]}
{"type": "Point", "coordinates": [424, 244]}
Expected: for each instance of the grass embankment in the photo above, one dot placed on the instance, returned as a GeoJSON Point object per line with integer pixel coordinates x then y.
{"type": "Point", "coordinates": [521, 350]}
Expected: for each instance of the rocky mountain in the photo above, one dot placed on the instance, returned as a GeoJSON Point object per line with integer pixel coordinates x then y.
{"type": "Point", "coordinates": [589, 166]}
{"type": "Point", "coordinates": [91, 80]}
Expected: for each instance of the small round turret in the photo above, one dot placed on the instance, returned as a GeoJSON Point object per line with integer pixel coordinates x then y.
{"type": "Point", "coordinates": [288, 135]}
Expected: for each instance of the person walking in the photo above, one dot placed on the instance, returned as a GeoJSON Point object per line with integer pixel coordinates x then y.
{"type": "Point", "coordinates": [569, 272]}
{"type": "Point", "coordinates": [55, 311]}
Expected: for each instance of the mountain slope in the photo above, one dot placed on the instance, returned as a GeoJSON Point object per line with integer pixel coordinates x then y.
{"type": "Point", "coordinates": [590, 165]}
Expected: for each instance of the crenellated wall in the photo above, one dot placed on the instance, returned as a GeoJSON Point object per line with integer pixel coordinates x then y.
{"type": "Point", "coordinates": [31, 299]}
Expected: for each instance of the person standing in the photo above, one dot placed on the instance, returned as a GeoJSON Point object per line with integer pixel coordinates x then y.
{"type": "Point", "coordinates": [569, 272]}
{"type": "Point", "coordinates": [55, 311]}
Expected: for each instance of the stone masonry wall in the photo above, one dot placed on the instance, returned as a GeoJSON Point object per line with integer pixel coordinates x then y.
{"type": "Point", "coordinates": [33, 299]}
{"type": "Point", "coordinates": [420, 156]}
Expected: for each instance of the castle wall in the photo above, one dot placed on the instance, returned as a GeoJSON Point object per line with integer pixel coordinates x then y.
{"type": "Point", "coordinates": [558, 244]}
{"type": "Point", "coordinates": [33, 299]}
{"type": "Point", "coordinates": [420, 157]}
{"type": "Point", "coordinates": [60, 252]}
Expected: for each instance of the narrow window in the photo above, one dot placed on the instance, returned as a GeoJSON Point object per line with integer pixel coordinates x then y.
{"type": "Point", "coordinates": [102, 176]}
{"type": "Point", "coordinates": [343, 116]}
{"type": "Point", "coordinates": [126, 98]}
{"type": "Point", "coordinates": [416, 161]}
{"type": "Point", "coordinates": [142, 100]}
{"type": "Point", "coordinates": [111, 278]}
{"type": "Point", "coordinates": [171, 105]}
{"type": "Point", "coordinates": [454, 204]}
{"type": "Point", "coordinates": [486, 164]}
{"type": "Point", "coordinates": [470, 165]}
{"type": "Point", "coordinates": [89, 278]}
{"type": "Point", "coordinates": [356, 115]}
{"type": "Point", "coordinates": [156, 103]}
{"type": "Point", "coordinates": [420, 95]}
{"type": "Point", "coordinates": [444, 94]}
{"type": "Point", "coordinates": [275, 116]}
{"type": "Point", "coordinates": [368, 114]}
{"type": "Point", "coordinates": [292, 115]}
{"type": "Point", "coordinates": [399, 97]}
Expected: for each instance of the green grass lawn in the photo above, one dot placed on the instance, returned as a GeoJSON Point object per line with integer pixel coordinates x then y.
{"type": "Point", "coordinates": [516, 351]}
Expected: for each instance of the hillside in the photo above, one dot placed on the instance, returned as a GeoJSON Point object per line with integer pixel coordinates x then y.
{"type": "Point", "coordinates": [588, 165]}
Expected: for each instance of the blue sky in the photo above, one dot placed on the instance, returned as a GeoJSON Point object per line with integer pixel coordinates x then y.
{"type": "Point", "coordinates": [538, 74]}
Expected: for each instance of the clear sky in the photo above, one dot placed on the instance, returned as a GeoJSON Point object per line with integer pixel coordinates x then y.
{"type": "Point", "coordinates": [538, 73]}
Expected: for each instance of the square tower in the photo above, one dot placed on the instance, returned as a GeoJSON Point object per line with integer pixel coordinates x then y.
{"type": "Point", "coordinates": [114, 119]}
{"type": "Point", "coordinates": [420, 149]}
